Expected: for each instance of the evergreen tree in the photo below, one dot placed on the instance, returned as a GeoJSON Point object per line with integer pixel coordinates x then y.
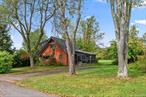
{"type": "Point", "coordinates": [5, 39]}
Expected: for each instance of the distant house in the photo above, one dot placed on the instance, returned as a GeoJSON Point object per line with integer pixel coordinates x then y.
{"type": "Point", "coordinates": [55, 48]}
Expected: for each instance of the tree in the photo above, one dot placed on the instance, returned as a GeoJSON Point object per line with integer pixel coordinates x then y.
{"type": "Point", "coordinates": [34, 36]}
{"type": "Point", "coordinates": [89, 34]}
{"type": "Point", "coordinates": [135, 44]}
{"type": "Point", "coordinates": [5, 39]}
{"type": "Point", "coordinates": [68, 11]}
{"type": "Point", "coordinates": [144, 38]}
{"type": "Point", "coordinates": [112, 51]}
{"type": "Point", "coordinates": [121, 13]}
{"type": "Point", "coordinates": [25, 16]}
{"type": "Point", "coordinates": [144, 44]}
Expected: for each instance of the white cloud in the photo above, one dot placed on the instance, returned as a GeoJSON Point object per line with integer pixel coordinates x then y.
{"type": "Point", "coordinates": [87, 17]}
{"type": "Point", "coordinates": [144, 2]}
{"type": "Point", "coordinates": [142, 22]}
{"type": "Point", "coordinates": [132, 24]}
{"type": "Point", "coordinates": [101, 1]}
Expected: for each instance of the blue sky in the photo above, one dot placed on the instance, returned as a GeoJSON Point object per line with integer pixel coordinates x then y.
{"type": "Point", "coordinates": [101, 11]}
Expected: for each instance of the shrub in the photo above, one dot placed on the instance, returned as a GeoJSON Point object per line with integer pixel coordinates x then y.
{"type": "Point", "coordinates": [140, 65]}
{"type": "Point", "coordinates": [21, 59]}
{"type": "Point", "coordinates": [49, 61]}
{"type": "Point", "coordinates": [6, 61]}
{"type": "Point", "coordinates": [115, 62]}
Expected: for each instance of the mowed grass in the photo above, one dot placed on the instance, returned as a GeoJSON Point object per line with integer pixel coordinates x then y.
{"type": "Point", "coordinates": [107, 62]}
{"type": "Point", "coordinates": [22, 70]}
{"type": "Point", "coordinates": [100, 81]}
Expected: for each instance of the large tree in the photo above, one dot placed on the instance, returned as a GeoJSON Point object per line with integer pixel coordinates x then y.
{"type": "Point", "coordinates": [25, 16]}
{"type": "Point", "coordinates": [121, 13]}
{"type": "Point", "coordinates": [135, 46]}
{"type": "Point", "coordinates": [68, 12]}
{"type": "Point", "coordinates": [5, 39]}
{"type": "Point", "coordinates": [89, 35]}
{"type": "Point", "coordinates": [34, 36]}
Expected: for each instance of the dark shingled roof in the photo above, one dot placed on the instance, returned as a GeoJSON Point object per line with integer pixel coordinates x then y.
{"type": "Point", "coordinates": [61, 42]}
{"type": "Point", "coordinates": [43, 44]}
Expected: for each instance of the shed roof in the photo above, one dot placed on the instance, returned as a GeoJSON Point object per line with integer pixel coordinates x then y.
{"type": "Point", "coordinates": [85, 52]}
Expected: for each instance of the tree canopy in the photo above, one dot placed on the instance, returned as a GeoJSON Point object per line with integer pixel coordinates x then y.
{"type": "Point", "coordinates": [5, 39]}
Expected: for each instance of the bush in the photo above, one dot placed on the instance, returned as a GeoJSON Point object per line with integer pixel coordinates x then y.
{"type": "Point", "coordinates": [48, 61]}
{"type": "Point", "coordinates": [21, 59]}
{"type": "Point", "coordinates": [6, 61]}
{"type": "Point", "coordinates": [140, 65]}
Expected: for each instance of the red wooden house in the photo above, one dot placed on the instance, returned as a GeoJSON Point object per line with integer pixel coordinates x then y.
{"type": "Point", "coordinates": [55, 48]}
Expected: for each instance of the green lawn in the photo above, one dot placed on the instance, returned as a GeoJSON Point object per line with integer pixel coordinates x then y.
{"type": "Point", "coordinates": [21, 70]}
{"type": "Point", "coordinates": [105, 62]}
{"type": "Point", "coordinates": [97, 82]}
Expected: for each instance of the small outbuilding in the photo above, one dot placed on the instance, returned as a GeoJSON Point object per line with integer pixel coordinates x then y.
{"type": "Point", "coordinates": [55, 48]}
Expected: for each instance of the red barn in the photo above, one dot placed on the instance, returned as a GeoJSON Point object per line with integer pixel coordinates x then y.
{"type": "Point", "coordinates": [55, 48]}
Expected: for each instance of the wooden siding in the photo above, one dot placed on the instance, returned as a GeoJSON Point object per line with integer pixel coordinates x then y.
{"type": "Point", "coordinates": [59, 54]}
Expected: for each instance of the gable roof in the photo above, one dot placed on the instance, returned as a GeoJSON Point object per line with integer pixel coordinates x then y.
{"type": "Point", "coordinates": [44, 44]}
{"type": "Point", "coordinates": [61, 42]}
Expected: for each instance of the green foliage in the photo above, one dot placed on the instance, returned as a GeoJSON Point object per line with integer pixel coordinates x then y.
{"type": "Point", "coordinates": [135, 47]}
{"type": "Point", "coordinates": [144, 38]}
{"type": "Point", "coordinates": [112, 51]}
{"type": "Point", "coordinates": [135, 44]}
{"type": "Point", "coordinates": [6, 60]}
{"type": "Point", "coordinates": [34, 36]}
{"type": "Point", "coordinates": [102, 53]}
{"type": "Point", "coordinates": [109, 53]}
{"type": "Point", "coordinates": [21, 59]}
{"type": "Point", "coordinates": [140, 64]}
{"type": "Point", "coordinates": [89, 35]}
{"type": "Point", "coordinates": [5, 40]}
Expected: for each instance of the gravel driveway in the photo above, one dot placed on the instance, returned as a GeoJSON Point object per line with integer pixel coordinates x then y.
{"type": "Point", "coordinates": [11, 90]}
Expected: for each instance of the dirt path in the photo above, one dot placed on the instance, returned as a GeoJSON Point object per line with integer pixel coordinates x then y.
{"type": "Point", "coordinates": [11, 90]}
{"type": "Point", "coordinates": [12, 78]}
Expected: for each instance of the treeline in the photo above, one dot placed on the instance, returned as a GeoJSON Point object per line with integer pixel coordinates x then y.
{"type": "Point", "coordinates": [136, 47]}
{"type": "Point", "coordinates": [89, 35]}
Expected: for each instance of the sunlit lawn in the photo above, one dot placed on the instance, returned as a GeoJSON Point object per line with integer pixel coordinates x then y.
{"type": "Point", "coordinates": [97, 82]}
{"type": "Point", "coordinates": [105, 62]}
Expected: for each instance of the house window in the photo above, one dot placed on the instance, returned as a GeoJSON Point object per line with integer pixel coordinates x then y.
{"type": "Point", "coordinates": [83, 58]}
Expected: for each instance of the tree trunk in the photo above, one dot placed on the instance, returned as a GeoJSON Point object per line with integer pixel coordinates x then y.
{"type": "Point", "coordinates": [122, 46]}
{"type": "Point", "coordinates": [31, 59]}
{"type": "Point", "coordinates": [71, 57]}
